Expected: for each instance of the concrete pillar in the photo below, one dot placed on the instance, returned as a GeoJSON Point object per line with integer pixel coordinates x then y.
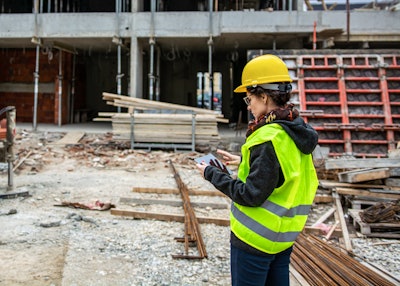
{"type": "Point", "coordinates": [137, 6]}
{"type": "Point", "coordinates": [136, 72]}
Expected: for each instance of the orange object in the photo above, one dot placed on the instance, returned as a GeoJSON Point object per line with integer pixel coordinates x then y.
{"type": "Point", "coordinates": [3, 129]}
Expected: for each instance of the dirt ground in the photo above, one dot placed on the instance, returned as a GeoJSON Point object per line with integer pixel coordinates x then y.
{"type": "Point", "coordinates": [43, 243]}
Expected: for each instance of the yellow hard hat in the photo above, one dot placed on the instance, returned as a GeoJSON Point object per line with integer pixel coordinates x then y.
{"type": "Point", "coordinates": [263, 69]}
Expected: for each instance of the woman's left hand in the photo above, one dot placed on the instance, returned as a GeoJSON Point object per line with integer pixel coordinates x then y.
{"type": "Point", "coordinates": [202, 166]}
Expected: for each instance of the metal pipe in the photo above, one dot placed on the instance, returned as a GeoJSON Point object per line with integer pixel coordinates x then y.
{"type": "Point", "coordinates": [152, 43]}
{"type": "Point", "coordinates": [36, 88]}
{"type": "Point", "coordinates": [36, 73]}
{"type": "Point", "coordinates": [11, 114]}
{"type": "Point", "coordinates": [348, 20]}
{"type": "Point", "coordinates": [158, 73]}
{"type": "Point", "coordinates": [118, 78]}
{"type": "Point", "coordinates": [60, 77]}
{"type": "Point", "coordinates": [210, 47]}
{"type": "Point", "coordinates": [73, 88]}
{"type": "Point", "coordinates": [315, 36]}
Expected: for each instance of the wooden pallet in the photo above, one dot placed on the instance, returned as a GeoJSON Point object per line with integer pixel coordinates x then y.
{"type": "Point", "coordinates": [384, 230]}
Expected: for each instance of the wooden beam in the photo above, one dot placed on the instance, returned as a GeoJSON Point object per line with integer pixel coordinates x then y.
{"type": "Point", "coordinates": [334, 184]}
{"type": "Point", "coordinates": [167, 217]}
{"type": "Point", "coordinates": [343, 225]}
{"type": "Point", "coordinates": [144, 103]}
{"type": "Point", "coordinates": [176, 191]}
{"type": "Point", "coordinates": [366, 193]}
{"type": "Point", "coordinates": [363, 175]}
{"type": "Point", "coordinates": [325, 216]}
{"type": "Point", "coordinates": [361, 163]}
{"type": "Point", "coordinates": [174, 203]}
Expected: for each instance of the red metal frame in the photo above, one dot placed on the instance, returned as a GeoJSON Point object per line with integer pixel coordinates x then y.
{"type": "Point", "coordinates": [350, 101]}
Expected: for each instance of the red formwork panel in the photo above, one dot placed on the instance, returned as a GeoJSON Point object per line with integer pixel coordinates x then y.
{"type": "Point", "coordinates": [352, 100]}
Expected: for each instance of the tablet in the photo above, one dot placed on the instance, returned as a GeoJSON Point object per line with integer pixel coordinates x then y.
{"type": "Point", "coordinates": [210, 159]}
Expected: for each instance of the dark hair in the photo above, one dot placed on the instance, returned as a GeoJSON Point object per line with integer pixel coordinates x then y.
{"type": "Point", "coordinates": [280, 98]}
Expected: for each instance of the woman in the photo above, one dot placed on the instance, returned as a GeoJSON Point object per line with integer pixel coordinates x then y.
{"type": "Point", "coordinates": [276, 181]}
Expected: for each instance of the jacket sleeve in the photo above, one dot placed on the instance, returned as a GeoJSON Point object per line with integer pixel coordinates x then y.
{"type": "Point", "coordinates": [264, 176]}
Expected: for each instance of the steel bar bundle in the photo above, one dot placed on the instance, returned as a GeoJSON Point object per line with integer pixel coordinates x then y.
{"type": "Point", "coordinates": [322, 264]}
{"type": "Point", "coordinates": [192, 226]}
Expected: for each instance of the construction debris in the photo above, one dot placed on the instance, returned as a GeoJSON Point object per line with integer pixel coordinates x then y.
{"type": "Point", "coordinates": [97, 205]}
{"type": "Point", "coordinates": [382, 212]}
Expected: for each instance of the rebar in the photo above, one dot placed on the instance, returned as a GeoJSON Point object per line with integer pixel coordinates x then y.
{"type": "Point", "coordinates": [192, 226]}
{"type": "Point", "coordinates": [322, 264]}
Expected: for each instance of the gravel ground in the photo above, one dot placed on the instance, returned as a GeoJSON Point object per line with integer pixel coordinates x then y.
{"type": "Point", "coordinates": [45, 244]}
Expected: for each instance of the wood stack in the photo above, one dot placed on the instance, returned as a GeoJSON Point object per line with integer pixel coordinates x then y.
{"type": "Point", "coordinates": [161, 122]}
{"type": "Point", "coordinates": [364, 188]}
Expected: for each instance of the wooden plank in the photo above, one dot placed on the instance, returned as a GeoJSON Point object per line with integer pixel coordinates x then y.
{"type": "Point", "coordinates": [175, 203]}
{"type": "Point", "coordinates": [363, 175]}
{"type": "Point", "coordinates": [144, 103]}
{"type": "Point", "coordinates": [334, 184]}
{"type": "Point", "coordinates": [13, 195]}
{"type": "Point", "coordinates": [361, 163]}
{"type": "Point", "coordinates": [176, 191]}
{"type": "Point", "coordinates": [72, 137]}
{"type": "Point", "coordinates": [395, 172]}
{"type": "Point", "coordinates": [323, 199]}
{"type": "Point", "coordinates": [167, 217]}
{"type": "Point", "coordinates": [319, 231]}
{"type": "Point", "coordinates": [392, 182]}
{"type": "Point", "coordinates": [296, 276]}
{"type": "Point", "coordinates": [325, 216]}
{"type": "Point", "coordinates": [343, 225]}
{"type": "Point", "coordinates": [366, 193]}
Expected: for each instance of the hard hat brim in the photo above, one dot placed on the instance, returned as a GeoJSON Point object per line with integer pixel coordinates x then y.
{"type": "Point", "coordinates": [241, 88]}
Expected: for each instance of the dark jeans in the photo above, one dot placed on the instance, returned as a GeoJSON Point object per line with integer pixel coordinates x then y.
{"type": "Point", "coordinates": [253, 270]}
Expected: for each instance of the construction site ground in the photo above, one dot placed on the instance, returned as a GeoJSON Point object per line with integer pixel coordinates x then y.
{"type": "Point", "coordinates": [45, 241]}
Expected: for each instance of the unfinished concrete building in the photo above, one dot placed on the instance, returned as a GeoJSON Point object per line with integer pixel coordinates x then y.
{"type": "Point", "coordinates": [58, 56]}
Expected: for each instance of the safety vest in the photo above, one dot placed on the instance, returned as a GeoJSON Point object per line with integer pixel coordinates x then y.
{"type": "Point", "coordinates": [275, 225]}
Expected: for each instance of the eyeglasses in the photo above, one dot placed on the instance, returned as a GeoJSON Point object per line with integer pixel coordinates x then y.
{"type": "Point", "coordinates": [247, 100]}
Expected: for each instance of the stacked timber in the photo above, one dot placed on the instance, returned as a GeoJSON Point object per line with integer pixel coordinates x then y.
{"type": "Point", "coordinates": [372, 194]}
{"type": "Point", "coordinates": [165, 128]}
{"type": "Point", "coordinates": [150, 121]}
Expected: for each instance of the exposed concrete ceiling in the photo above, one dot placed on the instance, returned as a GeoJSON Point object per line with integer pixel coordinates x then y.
{"type": "Point", "coordinates": [224, 43]}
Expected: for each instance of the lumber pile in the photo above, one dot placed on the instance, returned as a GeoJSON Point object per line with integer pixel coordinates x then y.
{"type": "Point", "coordinates": [370, 195]}
{"type": "Point", "coordinates": [165, 128]}
{"type": "Point", "coordinates": [160, 122]}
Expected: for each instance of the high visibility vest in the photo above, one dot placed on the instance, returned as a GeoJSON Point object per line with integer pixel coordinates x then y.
{"type": "Point", "coordinates": [275, 225]}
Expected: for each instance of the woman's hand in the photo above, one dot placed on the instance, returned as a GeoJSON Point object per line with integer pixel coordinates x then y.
{"type": "Point", "coordinates": [202, 166]}
{"type": "Point", "coordinates": [229, 159]}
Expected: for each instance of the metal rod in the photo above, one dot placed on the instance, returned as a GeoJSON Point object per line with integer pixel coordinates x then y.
{"type": "Point", "coordinates": [119, 75]}
{"type": "Point", "coordinates": [36, 87]}
{"type": "Point", "coordinates": [210, 48]}
{"type": "Point", "coordinates": [11, 115]}
{"type": "Point", "coordinates": [73, 88]}
{"type": "Point", "coordinates": [152, 42]}
{"type": "Point", "coordinates": [192, 226]}
{"type": "Point", "coordinates": [60, 76]}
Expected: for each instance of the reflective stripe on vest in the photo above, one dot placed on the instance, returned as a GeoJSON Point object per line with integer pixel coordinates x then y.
{"type": "Point", "coordinates": [274, 226]}
{"type": "Point", "coordinates": [262, 230]}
